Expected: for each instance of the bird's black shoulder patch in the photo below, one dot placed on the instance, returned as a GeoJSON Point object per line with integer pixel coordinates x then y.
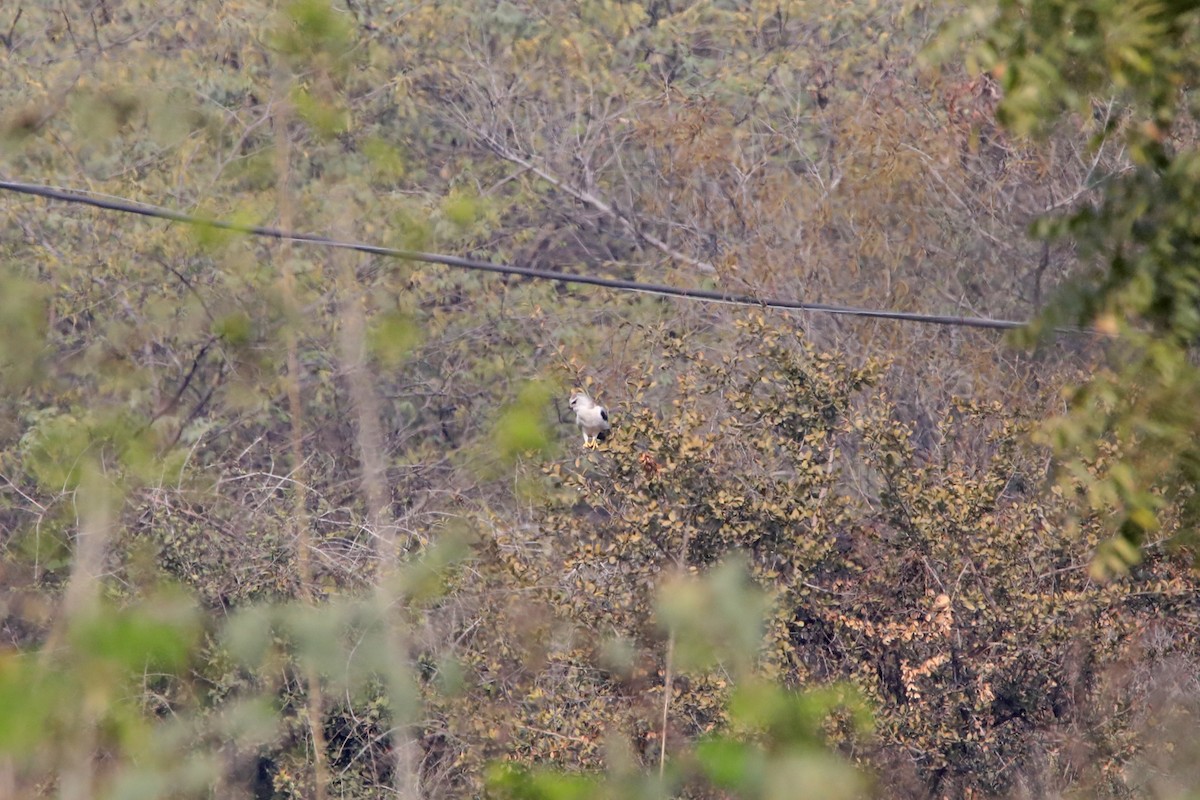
{"type": "Point", "coordinates": [604, 414]}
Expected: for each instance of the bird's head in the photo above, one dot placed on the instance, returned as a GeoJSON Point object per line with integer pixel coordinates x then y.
{"type": "Point", "coordinates": [579, 399]}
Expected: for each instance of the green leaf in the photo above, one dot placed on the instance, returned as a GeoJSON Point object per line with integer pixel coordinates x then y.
{"type": "Point", "coordinates": [731, 764]}
{"type": "Point", "coordinates": [158, 635]}
{"type": "Point", "coordinates": [522, 427]}
{"type": "Point", "coordinates": [392, 336]}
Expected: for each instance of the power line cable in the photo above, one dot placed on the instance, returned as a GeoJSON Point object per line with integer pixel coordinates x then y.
{"type": "Point", "coordinates": [704, 295]}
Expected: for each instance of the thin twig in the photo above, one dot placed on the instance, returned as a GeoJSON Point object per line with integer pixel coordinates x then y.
{"type": "Point", "coordinates": [314, 704]}
{"type": "Point", "coordinates": [595, 202]}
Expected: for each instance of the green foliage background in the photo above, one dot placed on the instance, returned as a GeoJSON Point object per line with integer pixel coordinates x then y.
{"type": "Point", "coordinates": [277, 522]}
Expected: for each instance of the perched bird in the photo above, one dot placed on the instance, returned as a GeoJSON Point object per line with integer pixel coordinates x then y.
{"type": "Point", "coordinates": [589, 416]}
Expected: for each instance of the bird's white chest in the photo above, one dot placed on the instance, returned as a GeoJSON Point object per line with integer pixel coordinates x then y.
{"type": "Point", "coordinates": [592, 417]}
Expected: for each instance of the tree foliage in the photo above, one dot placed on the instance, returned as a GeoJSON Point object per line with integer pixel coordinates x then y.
{"type": "Point", "coordinates": [1131, 67]}
{"type": "Point", "coordinates": [280, 522]}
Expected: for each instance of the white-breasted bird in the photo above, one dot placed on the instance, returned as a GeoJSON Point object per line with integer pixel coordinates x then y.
{"type": "Point", "coordinates": [590, 417]}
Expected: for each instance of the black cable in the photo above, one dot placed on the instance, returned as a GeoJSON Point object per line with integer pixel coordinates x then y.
{"type": "Point", "coordinates": [708, 295]}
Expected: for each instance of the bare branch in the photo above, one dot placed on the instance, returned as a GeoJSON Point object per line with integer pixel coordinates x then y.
{"type": "Point", "coordinates": [592, 200]}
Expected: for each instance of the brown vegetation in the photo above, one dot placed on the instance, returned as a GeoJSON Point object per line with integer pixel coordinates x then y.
{"type": "Point", "coordinates": [276, 522]}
